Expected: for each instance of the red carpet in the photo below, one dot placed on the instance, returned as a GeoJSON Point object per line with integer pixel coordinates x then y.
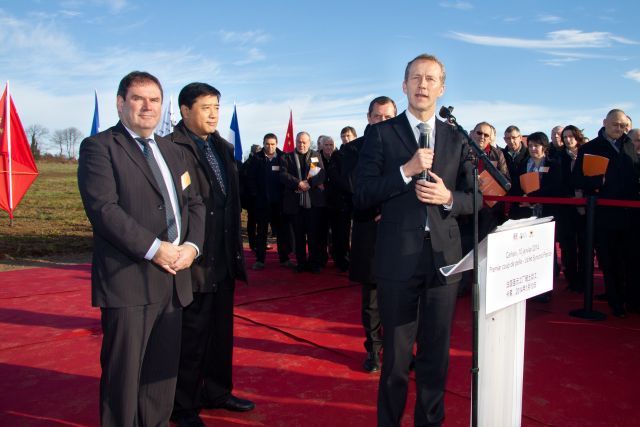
{"type": "Point", "coordinates": [299, 353]}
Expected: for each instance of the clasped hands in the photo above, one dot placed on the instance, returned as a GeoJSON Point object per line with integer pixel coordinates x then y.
{"type": "Point", "coordinates": [433, 192]}
{"type": "Point", "coordinates": [173, 258]}
{"type": "Point", "coordinates": [303, 186]}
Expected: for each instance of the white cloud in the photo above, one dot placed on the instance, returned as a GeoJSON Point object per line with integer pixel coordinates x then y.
{"type": "Point", "coordinates": [549, 19]}
{"type": "Point", "coordinates": [253, 55]}
{"type": "Point", "coordinates": [633, 75]}
{"type": "Point", "coordinates": [561, 39]}
{"type": "Point", "coordinates": [245, 38]}
{"type": "Point", "coordinates": [460, 5]}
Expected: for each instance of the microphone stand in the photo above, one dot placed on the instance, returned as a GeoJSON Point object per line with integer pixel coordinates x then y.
{"type": "Point", "coordinates": [445, 113]}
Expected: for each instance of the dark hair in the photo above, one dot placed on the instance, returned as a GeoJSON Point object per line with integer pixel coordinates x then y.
{"type": "Point", "coordinates": [137, 77]}
{"type": "Point", "coordinates": [539, 138]}
{"type": "Point", "coordinates": [269, 136]}
{"type": "Point", "coordinates": [577, 134]}
{"type": "Point", "coordinates": [381, 100]}
{"type": "Point", "coordinates": [511, 128]}
{"type": "Point", "coordinates": [348, 129]}
{"type": "Point", "coordinates": [193, 91]}
{"type": "Point", "coordinates": [425, 57]}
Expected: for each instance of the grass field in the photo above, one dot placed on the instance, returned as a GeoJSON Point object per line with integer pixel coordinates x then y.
{"type": "Point", "coordinates": [50, 219]}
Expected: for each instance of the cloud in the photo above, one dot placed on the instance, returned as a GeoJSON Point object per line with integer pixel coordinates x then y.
{"type": "Point", "coordinates": [633, 75]}
{"type": "Point", "coordinates": [561, 39]}
{"type": "Point", "coordinates": [245, 38]}
{"type": "Point", "coordinates": [550, 19]}
{"type": "Point", "coordinates": [460, 5]}
{"type": "Point", "coordinates": [253, 55]}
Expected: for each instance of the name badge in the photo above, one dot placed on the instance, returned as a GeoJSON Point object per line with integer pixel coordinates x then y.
{"type": "Point", "coordinates": [275, 168]}
{"type": "Point", "coordinates": [544, 169]}
{"type": "Point", "coordinates": [314, 160]}
{"type": "Point", "coordinates": [185, 179]}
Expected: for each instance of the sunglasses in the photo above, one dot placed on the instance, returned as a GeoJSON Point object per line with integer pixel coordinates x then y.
{"type": "Point", "coordinates": [486, 135]}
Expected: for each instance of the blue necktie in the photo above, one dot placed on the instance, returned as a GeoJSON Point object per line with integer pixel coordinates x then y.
{"type": "Point", "coordinates": [172, 228]}
{"type": "Point", "coordinates": [215, 165]}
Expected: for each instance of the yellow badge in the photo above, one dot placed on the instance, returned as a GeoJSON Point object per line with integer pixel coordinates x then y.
{"type": "Point", "coordinates": [186, 180]}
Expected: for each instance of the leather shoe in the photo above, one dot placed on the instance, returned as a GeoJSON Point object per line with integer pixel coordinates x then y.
{"type": "Point", "coordinates": [188, 420]}
{"type": "Point", "coordinates": [234, 404]}
{"type": "Point", "coordinates": [372, 362]}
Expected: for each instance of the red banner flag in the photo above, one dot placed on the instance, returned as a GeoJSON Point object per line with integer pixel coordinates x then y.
{"type": "Point", "coordinates": [288, 140]}
{"type": "Point", "coordinates": [17, 167]}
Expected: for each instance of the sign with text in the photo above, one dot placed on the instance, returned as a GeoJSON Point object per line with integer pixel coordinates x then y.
{"type": "Point", "coordinates": [519, 264]}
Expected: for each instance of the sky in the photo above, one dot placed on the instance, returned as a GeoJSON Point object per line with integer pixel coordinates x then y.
{"type": "Point", "coordinates": [535, 64]}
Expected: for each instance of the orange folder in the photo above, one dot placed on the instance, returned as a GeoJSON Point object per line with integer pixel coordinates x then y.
{"type": "Point", "coordinates": [530, 182]}
{"type": "Point", "coordinates": [593, 165]}
{"type": "Point", "coordinates": [489, 186]}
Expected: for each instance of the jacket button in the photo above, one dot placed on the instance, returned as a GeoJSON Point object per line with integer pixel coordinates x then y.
{"type": "Point", "coordinates": [211, 213]}
{"type": "Point", "coordinates": [160, 207]}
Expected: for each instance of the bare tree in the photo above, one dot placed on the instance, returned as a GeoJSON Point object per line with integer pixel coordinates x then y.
{"type": "Point", "coordinates": [67, 140]}
{"type": "Point", "coordinates": [36, 132]}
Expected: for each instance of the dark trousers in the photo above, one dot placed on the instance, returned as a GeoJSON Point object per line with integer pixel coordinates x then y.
{"type": "Point", "coordinates": [418, 310]}
{"type": "Point", "coordinates": [251, 228]}
{"type": "Point", "coordinates": [205, 371]}
{"type": "Point", "coordinates": [139, 360]}
{"type": "Point", "coordinates": [570, 229]}
{"type": "Point", "coordinates": [271, 214]}
{"type": "Point", "coordinates": [340, 223]}
{"type": "Point", "coordinates": [306, 225]}
{"type": "Point", "coordinates": [371, 318]}
{"type": "Point", "coordinates": [613, 250]}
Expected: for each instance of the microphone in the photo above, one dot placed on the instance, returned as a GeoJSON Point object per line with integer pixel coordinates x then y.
{"type": "Point", "coordinates": [446, 113]}
{"type": "Point", "coordinates": [423, 142]}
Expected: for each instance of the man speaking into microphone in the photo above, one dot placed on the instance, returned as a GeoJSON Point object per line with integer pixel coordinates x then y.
{"type": "Point", "coordinates": [417, 234]}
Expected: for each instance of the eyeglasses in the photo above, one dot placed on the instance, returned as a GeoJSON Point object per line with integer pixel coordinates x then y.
{"type": "Point", "coordinates": [486, 135]}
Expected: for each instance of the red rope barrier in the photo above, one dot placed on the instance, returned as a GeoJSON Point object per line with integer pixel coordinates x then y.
{"type": "Point", "coordinates": [576, 201]}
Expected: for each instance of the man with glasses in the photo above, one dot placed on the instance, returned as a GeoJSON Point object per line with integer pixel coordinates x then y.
{"type": "Point", "coordinates": [515, 151]}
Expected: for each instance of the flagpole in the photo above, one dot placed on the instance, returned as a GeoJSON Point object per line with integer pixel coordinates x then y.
{"type": "Point", "coordinates": [8, 132]}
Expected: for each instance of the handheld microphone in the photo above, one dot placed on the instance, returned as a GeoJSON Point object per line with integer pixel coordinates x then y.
{"type": "Point", "coordinates": [424, 143]}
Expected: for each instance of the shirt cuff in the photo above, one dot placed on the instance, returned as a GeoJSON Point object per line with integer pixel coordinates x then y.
{"type": "Point", "coordinates": [152, 250]}
{"type": "Point", "coordinates": [448, 207]}
{"type": "Point", "coordinates": [194, 247]}
{"type": "Point", "coordinates": [404, 178]}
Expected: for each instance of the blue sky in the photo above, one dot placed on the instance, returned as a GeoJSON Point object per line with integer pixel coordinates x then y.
{"type": "Point", "coordinates": [530, 63]}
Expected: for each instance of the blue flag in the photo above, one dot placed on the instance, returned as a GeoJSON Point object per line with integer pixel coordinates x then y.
{"type": "Point", "coordinates": [234, 136]}
{"type": "Point", "coordinates": [95, 126]}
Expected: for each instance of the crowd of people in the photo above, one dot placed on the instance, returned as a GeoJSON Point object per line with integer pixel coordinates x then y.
{"type": "Point", "coordinates": [389, 208]}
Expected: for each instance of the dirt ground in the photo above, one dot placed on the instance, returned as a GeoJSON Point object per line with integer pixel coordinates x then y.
{"type": "Point", "coordinates": [8, 263]}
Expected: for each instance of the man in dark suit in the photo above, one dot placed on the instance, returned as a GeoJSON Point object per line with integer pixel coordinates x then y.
{"type": "Point", "coordinates": [613, 235]}
{"type": "Point", "coordinates": [515, 152]}
{"type": "Point", "coordinates": [205, 375]}
{"type": "Point", "coordinates": [302, 174]}
{"type": "Point", "coordinates": [265, 189]}
{"type": "Point", "coordinates": [148, 226]}
{"type": "Point", "coordinates": [363, 237]}
{"type": "Point", "coordinates": [417, 234]}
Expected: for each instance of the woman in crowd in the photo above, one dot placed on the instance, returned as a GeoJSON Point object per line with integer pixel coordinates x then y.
{"type": "Point", "coordinates": [571, 219]}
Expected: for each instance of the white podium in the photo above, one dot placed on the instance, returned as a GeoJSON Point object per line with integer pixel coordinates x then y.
{"type": "Point", "coordinates": [515, 263]}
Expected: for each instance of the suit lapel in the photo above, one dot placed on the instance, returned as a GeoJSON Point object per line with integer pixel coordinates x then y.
{"type": "Point", "coordinates": [173, 166]}
{"type": "Point", "coordinates": [133, 150]}
{"type": "Point", "coordinates": [442, 150]}
{"type": "Point", "coordinates": [402, 127]}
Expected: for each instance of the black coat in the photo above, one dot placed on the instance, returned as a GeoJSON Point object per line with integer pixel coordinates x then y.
{"type": "Point", "coordinates": [263, 179]}
{"type": "Point", "coordinates": [223, 255]}
{"type": "Point", "coordinates": [289, 178]}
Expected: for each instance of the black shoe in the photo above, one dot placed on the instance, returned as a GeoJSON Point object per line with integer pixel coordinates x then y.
{"type": "Point", "coordinates": [618, 312]}
{"type": "Point", "coordinates": [300, 268]}
{"type": "Point", "coordinates": [372, 362]}
{"type": "Point", "coordinates": [234, 404]}
{"type": "Point", "coordinates": [188, 420]}
{"type": "Point", "coordinates": [315, 270]}
{"type": "Point", "coordinates": [600, 297]}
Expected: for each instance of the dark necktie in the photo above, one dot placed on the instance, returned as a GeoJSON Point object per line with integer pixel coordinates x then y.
{"type": "Point", "coordinates": [172, 228]}
{"type": "Point", "coordinates": [215, 165]}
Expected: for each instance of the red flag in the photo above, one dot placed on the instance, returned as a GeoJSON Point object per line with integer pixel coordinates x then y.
{"type": "Point", "coordinates": [288, 140]}
{"type": "Point", "coordinates": [17, 167]}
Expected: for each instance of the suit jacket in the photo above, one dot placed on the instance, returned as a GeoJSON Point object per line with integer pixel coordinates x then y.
{"type": "Point", "coordinates": [388, 145]}
{"type": "Point", "coordinates": [222, 255]}
{"type": "Point", "coordinates": [263, 180]}
{"type": "Point", "coordinates": [513, 163]}
{"type": "Point", "coordinates": [126, 209]}
{"type": "Point", "coordinates": [289, 177]}
{"type": "Point", "coordinates": [620, 180]}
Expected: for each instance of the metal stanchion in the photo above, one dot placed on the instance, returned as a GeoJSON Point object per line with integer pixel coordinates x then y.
{"type": "Point", "coordinates": [587, 311]}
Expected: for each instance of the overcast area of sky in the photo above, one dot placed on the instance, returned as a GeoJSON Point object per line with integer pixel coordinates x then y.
{"type": "Point", "coordinates": [534, 64]}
